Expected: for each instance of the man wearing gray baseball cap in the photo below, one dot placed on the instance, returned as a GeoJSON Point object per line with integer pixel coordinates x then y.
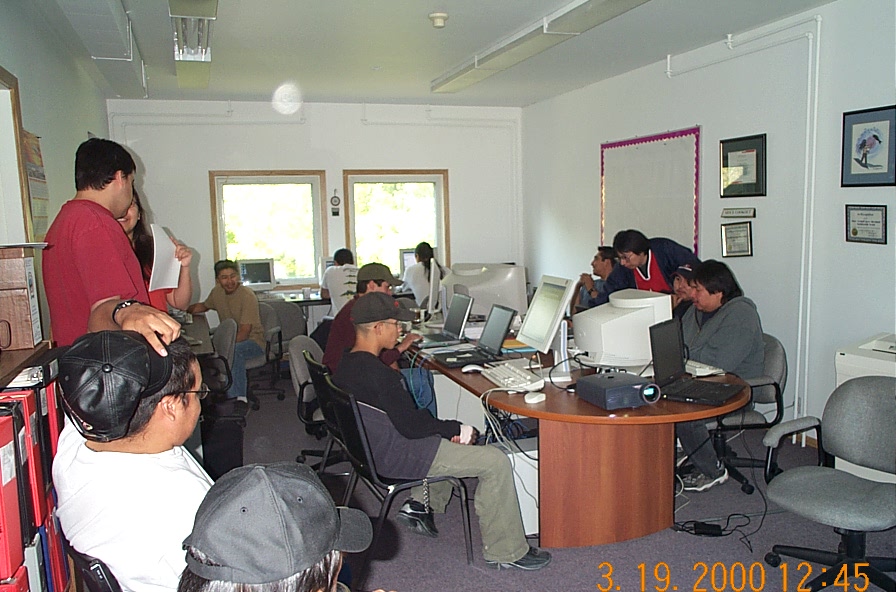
{"type": "Point", "coordinates": [270, 527]}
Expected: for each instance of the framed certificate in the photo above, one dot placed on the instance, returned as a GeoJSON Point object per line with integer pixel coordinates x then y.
{"type": "Point", "coordinates": [737, 239]}
{"type": "Point", "coordinates": [742, 166]}
{"type": "Point", "coordinates": [866, 224]}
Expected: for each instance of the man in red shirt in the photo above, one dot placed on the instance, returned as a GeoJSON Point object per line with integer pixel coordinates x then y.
{"type": "Point", "coordinates": [373, 277]}
{"type": "Point", "coordinates": [91, 275]}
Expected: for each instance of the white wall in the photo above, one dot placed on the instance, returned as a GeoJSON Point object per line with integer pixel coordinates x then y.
{"type": "Point", "coordinates": [60, 103]}
{"type": "Point", "coordinates": [177, 143]}
{"type": "Point", "coordinates": [815, 299]}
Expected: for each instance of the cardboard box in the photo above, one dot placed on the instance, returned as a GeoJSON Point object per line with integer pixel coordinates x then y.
{"type": "Point", "coordinates": [18, 297]}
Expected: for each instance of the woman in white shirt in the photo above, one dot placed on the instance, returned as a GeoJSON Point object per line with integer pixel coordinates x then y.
{"type": "Point", "coordinates": [416, 276]}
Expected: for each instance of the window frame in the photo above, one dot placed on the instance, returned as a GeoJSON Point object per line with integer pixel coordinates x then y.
{"type": "Point", "coordinates": [318, 181]}
{"type": "Point", "coordinates": [437, 176]}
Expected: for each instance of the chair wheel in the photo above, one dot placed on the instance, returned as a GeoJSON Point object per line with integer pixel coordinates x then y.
{"type": "Point", "coordinates": [281, 396]}
{"type": "Point", "coordinates": [747, 488]}
{"type": "Point", "coordinates": [773, 559]}
{"type": "Point", "coordinates": [256, 405]}
{"type": "Point", "coordinates": [300, 459]}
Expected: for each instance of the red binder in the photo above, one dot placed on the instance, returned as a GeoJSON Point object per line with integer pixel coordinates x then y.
{"type": "Point", "coordinates": [28, 400]}
{"type": "Point", "coordinates": [12, 552]}
{"type": "Point", "coordinates": [17, 583]}
{"type": "Point", "coordinates": [58, 568]}
{"type": "Point", "coordinates": [54, 415]}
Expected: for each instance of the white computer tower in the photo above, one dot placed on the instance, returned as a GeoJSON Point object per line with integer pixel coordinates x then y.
{"type": "Point", "coordinates": [875, 356]}
{"type": "Point", "coordinates": [525, 478]}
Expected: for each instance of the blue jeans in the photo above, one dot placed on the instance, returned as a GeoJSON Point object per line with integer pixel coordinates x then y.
{"type": "Point", "coordinates": [242, 352]}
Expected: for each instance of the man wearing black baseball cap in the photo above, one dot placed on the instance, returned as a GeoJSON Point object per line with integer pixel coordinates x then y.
{"type": "Point", "coordinates": [409, 443]}
{"type": "Point", "coordinates": [373, 277]}
{"type": "Point", "coordinates": [272, 527]}
{"type": "Point", "coordinates": [127, 489]}
{"type": "Point", "coordinates": [682, 290]}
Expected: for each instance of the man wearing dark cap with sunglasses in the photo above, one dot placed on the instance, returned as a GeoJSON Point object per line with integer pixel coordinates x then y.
{"type": "Point", "coordinates": [271, 528]}
{"type": "Point", "coordinates": [373, 277]}
{"type": "Point", "coordinates": [425, 446]}
{"type": "Point", "coordinates": [128, 491]}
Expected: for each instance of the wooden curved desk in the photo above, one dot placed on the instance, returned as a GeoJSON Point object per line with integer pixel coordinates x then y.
{"type": "Point", "coordinates": [604, 476]}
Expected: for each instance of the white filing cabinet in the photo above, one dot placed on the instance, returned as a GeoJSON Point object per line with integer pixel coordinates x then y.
{"type": "Point", "coordinates": [875, 356]}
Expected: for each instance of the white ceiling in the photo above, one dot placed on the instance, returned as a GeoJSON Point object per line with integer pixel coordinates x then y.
{"type": "Point", "coordinates": [386, 51]}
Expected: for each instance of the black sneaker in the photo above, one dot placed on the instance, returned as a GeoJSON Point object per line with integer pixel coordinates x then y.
{"type": "Point", "coordinates": [415, 516]}
{"type": "Point", "coordinates": [534, 559]}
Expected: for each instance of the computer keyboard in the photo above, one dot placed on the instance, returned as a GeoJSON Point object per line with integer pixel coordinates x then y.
{"type": "Point", "coordinates": [510, 377]}
{"type": "Point", "coordinates": [700, 369]}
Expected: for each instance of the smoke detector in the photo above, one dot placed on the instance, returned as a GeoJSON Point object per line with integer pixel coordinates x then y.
{"type": "Point", "coordinates": [438, 19]}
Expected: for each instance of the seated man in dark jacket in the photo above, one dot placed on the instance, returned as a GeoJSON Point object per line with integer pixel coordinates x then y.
{"type": "Point", "coordinates": [644, 264]}
{"type": "Point", "coordinates": [409, 443]}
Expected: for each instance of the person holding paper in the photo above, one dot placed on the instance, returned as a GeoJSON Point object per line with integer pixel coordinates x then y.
{"type": "Point", "coordinates": [133, 223]}
{"type": "Point", "coordinates": [91, 276]}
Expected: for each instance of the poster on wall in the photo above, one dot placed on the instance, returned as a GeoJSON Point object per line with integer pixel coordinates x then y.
{"type": "Point", "coordinates": [37, 185]}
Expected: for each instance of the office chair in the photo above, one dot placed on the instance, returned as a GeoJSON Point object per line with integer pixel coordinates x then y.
{"type": "Point", "coordinates": [224, 340]}
{"type": "Point", "coordinates": [96, 575]}
{"type": "Point", "coordinates": [307, 406]}
{"type": "Point", "coordinates": [857, 426]}
{"type": "Point", "coordinates": [319, 374]}
{"type": "Point", "coordinates": [767, 389]}
{"type": "Point", "coordinates": [350, 416]}
{"type": "Point", "coordinates": [273, 353]}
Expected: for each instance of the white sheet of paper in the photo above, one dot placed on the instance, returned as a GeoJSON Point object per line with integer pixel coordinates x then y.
{"type": "Point", "coordinates": [165, 266]}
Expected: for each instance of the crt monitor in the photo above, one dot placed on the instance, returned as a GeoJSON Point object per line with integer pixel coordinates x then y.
{"type": "Point", "coordinates": [406, 258]}
{"type": "Point", "coordinates": [488, 284]}
{"type": "Point", "coordinates": [617, 333]}
{"type": "Point", "coordinates": [257, 274]}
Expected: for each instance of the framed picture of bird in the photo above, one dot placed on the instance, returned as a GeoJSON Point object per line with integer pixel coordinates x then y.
{"type": "Point", "coordinates": [869, 152]}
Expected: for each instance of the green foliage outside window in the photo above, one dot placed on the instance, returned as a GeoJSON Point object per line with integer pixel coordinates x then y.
{"type": "Point", "coordinates": [392, 216]}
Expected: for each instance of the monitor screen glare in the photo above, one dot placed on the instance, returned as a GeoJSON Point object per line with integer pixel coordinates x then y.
{"type": "Point", "coordinates": [545, 313]}
{"type": "Point", "coordinates": [257, 274]}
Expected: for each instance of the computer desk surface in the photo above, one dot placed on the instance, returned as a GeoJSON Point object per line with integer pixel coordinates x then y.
{"type": "Point", "coordinates": [604, 476]}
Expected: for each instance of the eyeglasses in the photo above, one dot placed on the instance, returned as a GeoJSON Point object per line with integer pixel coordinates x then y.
{"type": "Point", "coordinates": [625, 257]}
{"type": "Point", "coordinates": [201, 393]}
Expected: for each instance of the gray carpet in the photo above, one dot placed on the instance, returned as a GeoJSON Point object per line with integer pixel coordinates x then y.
{"type": "Point", "coordinates": [407, 562]}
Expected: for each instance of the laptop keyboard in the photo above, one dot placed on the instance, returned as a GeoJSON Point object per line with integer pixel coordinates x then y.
{"type": "Point", "coordinates": [693, 388]}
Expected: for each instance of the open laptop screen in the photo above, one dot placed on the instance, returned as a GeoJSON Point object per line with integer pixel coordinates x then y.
{"type": "Point", "coordinates": [456, 319]}
{"type": "Point", "coordinates": [668, 351]}
{"type": "Point", "coordinates": [495, 329]}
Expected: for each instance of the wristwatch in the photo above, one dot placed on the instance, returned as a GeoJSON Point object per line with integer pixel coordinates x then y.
{"type": "Point", "coordinates": [121, 305]}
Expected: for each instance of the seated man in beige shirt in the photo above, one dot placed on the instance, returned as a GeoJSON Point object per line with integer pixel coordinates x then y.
{"type": "Point", "coordinates": [232, 300]}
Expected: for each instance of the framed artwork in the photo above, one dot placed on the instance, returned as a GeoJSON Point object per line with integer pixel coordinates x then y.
{"type": "Point", "coordinates": [737, 239]}
{"type": "Point", "coordinates": [866, 224]}
{"type": "Point", "coordinates": [869, 156]}
{"type": "Point", "coordinates": [742, 166]}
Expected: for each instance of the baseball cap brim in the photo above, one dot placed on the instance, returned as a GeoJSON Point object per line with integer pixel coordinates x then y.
{"type": "Point", "coordinates": [355, 530]}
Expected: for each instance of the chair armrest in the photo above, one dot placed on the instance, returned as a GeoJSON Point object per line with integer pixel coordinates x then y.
{"type": "Point", "coordinates": [761, 381]}
{"type": "Point", "coordinates": [772, 438]}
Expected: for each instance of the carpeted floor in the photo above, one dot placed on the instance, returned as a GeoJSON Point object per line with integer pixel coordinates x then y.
{"type": "Point", "coordinates": [667, 560]}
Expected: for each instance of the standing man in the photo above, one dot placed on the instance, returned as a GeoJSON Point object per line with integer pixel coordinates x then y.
{"type": "Point", "coordinates": [127, 489]}
{"type": "Point", "coordinates": [91, 274]}
{"type": "Point", "coordinates": [339, 281]}
{"type": "Point", "coordinates": [645, 264]}
{"type": "Point", "coordinates": [232, 300]}
{"type": "Point", "coordinates": [373, 277]}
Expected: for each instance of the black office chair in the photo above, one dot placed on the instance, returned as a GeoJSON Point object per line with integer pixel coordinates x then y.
{"type": "Point", "coordinates": [307, 405]}
{"type": "Point", "coordinates": [857, 426]}
{"type": "Point", "coordinates": [96, 575]}
{"type": "Point", "coordinates": [766, 389]}
{"type": "Point", "coordinates": [319, 374]}
{"type": "Point", "coordinates": [349, 415]}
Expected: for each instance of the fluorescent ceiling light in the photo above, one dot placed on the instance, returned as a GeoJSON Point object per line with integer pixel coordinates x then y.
{"type": "Point", "coordinates": [571, 20]}
{"type": "Point", "coordinates": [192, 22]}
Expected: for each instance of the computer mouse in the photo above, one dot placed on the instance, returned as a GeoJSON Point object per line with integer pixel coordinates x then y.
{"type": "Point", "coordinates": [534, 397]}
{"type": "Point", "coordinates": [472, 368]}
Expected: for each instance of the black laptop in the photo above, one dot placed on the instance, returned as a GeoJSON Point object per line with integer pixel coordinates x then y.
{"type": "Point", "coordinates": [488, 348]}
{"type": "Point", "coordinates": [667, 347]}
{"type": "Point", "coordinates": [455, 322]}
